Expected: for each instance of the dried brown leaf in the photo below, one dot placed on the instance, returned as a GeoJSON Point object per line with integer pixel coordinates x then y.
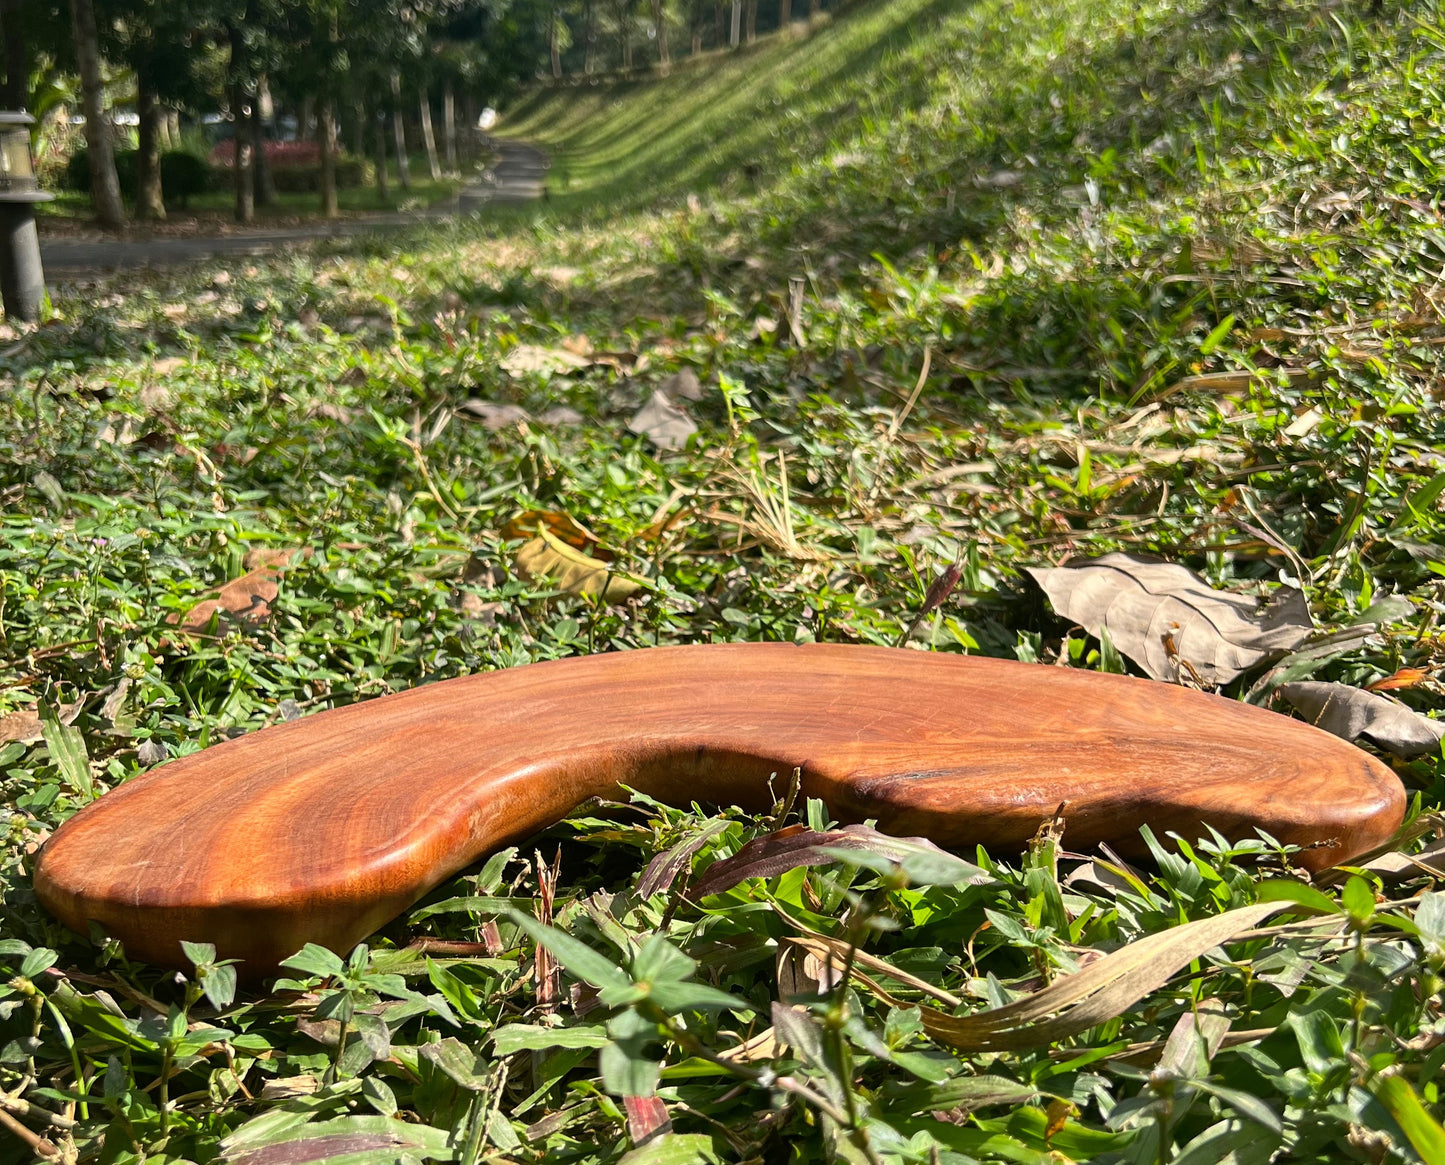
{"type": "Point", "coordinates": [1171, 622]}
{"type": "Point", "coordinates": [1355, 714]}
{"type": "Point", "coordinates": [547, 556]}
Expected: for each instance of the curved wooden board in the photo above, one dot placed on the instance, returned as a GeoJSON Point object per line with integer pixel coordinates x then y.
{"type": "Point", "coordinates": [323, 829]}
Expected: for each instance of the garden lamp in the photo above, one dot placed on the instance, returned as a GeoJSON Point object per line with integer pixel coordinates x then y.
{"type": "Point", "coordinates": [22, 281]}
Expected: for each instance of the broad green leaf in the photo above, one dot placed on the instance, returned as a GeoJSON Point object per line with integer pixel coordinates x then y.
{"type": "Point", "coordinates": [1424, 1131]}
{"type": "Point", "coordinates": [675, 997]}
{"type": "Point", "coordinates": [67, 750]}
{"type": "Point", "coordinates": [1217, 336]}
{"type": "Point", "coordinates": [585, 963]}
{"type": "Point", "coordinates": [316, 961]}
{"type": "Point", "coordinates": [1319, 1041]}
{"type": "Point", "coordinates": [1288, 890]}
{"type": "Point", "coordinates": [516, 1037]}
{"type": "Point", "coordinates": [674, 1149]}
{"type": "Point", "coordinates": [459, 1062]}
{"type": "Point", "coordinates": [658, 961]}
{"type": "Point", "coordinates": [1358, 899]}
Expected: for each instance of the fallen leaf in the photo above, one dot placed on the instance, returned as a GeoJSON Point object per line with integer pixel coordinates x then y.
{"type": "Point", "coordinates": [1228, 383]}
{"type": "Point", "coordinates": [274, 557]}
{"type": "Point", "coordinates": [1170, 622]}
{"type": "Point", "coordinates": [683, 385]}
{"type": "Point", "coordinates": [647, 1117]}
{"type": "Point", "coordinates": [1101, 991]}
{"type": "Point", "coordinates": [494, 416]}
{"type": "Point", "coordinates": [1406, 677]}
{"type": "Point", "coordinates": [547, 556]}
{"type": "Point", "coordinates": [1353, 713]}
{"type": "Point", "coordinates": [290, 1088]}
{"type": "Point", "coordinates": [662, 422]}
{"type": "Point", "coordinates": [525, 358]}
{"type": "Point", "coordinates": [247, 600]}
{"type": "Point", "coordinates": [26, 726]}
{"type": "Point", "coordinates": [563, 525]}
{"type": "Point", "coordinates": [561, 415]}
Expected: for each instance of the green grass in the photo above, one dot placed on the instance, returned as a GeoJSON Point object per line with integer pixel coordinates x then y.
{"type": "Point", "coordinates": [1067, 214]}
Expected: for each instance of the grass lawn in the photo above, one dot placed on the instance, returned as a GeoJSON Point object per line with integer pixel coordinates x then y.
{"type": "Point", "coordinates": [978, 285]}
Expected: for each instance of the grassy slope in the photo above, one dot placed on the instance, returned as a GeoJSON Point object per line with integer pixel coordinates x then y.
{"type": "Point", "coordinates": [1077, 209]}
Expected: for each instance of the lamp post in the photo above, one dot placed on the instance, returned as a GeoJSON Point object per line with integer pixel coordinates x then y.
{"type": "Point", "coordinates": [22, 280]}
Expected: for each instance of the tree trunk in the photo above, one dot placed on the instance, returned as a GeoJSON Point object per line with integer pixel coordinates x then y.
{"type": "Point", "coordinates": [449, 127]}
{"type": "Point", "coordinates": [358, 137]}
{"type": "Point", "coordinates": [626, 34]}
{"type": "Point", "coordinates": [243, 175]}
{"type": "Point", "coordinates": [659, 26]}
{"type": "Point", "coordinates": [149, 198]}
{"type": "Point", "coordinates": [381, 157]}
{"type": "Point", "coordinates": [104, 185]}
{"type": "Point", "coordinates": [554, 42]}
{"type": "Point", "coordinates": [720, 24]}
{"type": "Point", "coordinates": [752, 32]}
{"type": "Point", "coordinates": [429, 137]}
{"type": "Point", "coordinates": [308, 129]}
{"type": "Point", "coordinates": [696, 40]}
{"type": "Point", "coordinates": [589, 35]}
{"type": "Point", "coordinates": [785, 14]}
{"type": "Point", "coordinates": [173, 127]}
{"type": "Point", "coordinates": [398, 132]}
{"type": "Point", "coordinates": [326, 132]}
{"type": "Point", "coordinates": [261, 165]}
{"type": "Point", "coordinates": [17, 64]}
{"type": "Point", "coordinates": [814, 7]}
{"type": "Point", "coordinates": [737, 29]}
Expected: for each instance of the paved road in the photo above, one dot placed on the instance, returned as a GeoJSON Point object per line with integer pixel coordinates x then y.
{"type": "Point", "coordinates": [517, 176]}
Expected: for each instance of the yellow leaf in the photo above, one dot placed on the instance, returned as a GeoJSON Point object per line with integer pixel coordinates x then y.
{"type": "Point", "coordinates": [547, 556]}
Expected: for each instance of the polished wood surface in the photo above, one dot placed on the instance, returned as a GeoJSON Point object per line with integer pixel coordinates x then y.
{"type": "Point", "coordinates": [323, 829]}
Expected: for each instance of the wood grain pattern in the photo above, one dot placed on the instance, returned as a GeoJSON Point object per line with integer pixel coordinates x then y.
{"type": "Point", "coordinates": [323, 829]}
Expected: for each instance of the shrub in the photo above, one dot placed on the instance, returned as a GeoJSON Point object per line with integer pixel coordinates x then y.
{"type": "Point", "coordinates": [184, 174]}
{"type": "Point", "coordinates": [350, 171]}
{"type": "Point", "coordinates": [77, 170]}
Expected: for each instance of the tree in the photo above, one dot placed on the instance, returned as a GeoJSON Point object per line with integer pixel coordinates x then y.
{"type": "Point", "coordinates": [659, 28]}
{"type": "Point", "coordinates": [104, 184]}
{"type": "Point", "coordinates": [17, 63]}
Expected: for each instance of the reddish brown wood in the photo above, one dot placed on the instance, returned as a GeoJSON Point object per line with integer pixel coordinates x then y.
{"type": "Point", "coordinates": [323, 829]}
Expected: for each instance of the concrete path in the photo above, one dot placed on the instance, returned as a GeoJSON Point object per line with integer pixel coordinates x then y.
{"type": "Point", "coordinates": [517, 176]}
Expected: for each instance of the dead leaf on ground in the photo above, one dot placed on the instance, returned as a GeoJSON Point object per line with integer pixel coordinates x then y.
{"type": "Point", "coordinates": [1229, 383]}
{"type": "Point", "coordinates": [563, 525]}
{"type": "Point", "coordinates": [25, 725]}
{"type": "Point", "coordinates": [1406, 677]}
{"type": "Point", "coordinates": [662, 422]}
{"type": "Point", "coordinates": [1354, 714]}
{"type": "Point", "coordinates": [1103, 990]}
{"type": "Point", "coordinates": [246, 600]}
{"type": "Point", "coordinates": [647, 1118]}
{"type": "Point", "coordinates": [561, 415]}
{"type": "Point", "coordinates": [1171, 622]}
{"type": "Point", "coordinates": [683, 385]}
{"type": "Point", "coordinates": [547, 556]}
{"type": "Point", "coordinates": [275, 557]}
{"type": "Point", "coordinates": [493, 415]}
{"type": "Point", "coordinates": [532, 358]}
